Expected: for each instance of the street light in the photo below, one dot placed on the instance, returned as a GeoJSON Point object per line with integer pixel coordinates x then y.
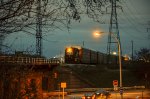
{"type": "Point", "coordinates": [120, 63]}
{"type": "Point", "coordinates": [97, 34]}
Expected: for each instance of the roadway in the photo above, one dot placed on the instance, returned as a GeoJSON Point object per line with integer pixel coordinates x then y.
{"type": "Point", "coordinates": [128, 94]}
{"type": "Point", "coordinates": [132, 94]}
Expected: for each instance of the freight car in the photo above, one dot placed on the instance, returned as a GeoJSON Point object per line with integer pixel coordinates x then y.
{"type": "Point", "coordinates": [80, 55]}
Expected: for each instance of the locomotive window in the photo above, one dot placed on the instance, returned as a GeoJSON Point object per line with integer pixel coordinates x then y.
{"type": "Point", "coordinates": [77, 53]}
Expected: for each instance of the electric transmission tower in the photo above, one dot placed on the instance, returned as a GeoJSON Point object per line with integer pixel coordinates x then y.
{"type": "Point", "coordinates": [2, 37]}
{"type": "Point", "coordinates": [39, 29]}
{"type": "Point", "coordinates": [113, 36]}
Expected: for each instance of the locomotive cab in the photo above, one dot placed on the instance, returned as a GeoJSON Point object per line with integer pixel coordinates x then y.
{"type": "Point", "coordinates": [72, 55]}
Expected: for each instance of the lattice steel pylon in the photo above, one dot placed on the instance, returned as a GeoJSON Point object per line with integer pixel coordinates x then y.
{"type": "Point", "coordinates": [2, 37]}
{"type": "Point", "coordinates": [39, 29]}
{"type": "Point", "coordinates": [113, 36]}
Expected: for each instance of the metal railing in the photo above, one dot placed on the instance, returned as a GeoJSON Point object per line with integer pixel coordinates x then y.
{"type": "Point", "coordinates": [28, 60]}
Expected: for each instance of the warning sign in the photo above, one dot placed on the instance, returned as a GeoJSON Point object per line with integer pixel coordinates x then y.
{"type": "Point", "coordinates": [115, 82]}
{"type": "Point", "coordinates": [63, 84]}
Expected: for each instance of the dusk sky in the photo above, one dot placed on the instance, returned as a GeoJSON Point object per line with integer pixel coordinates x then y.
{"type": "Point", "coordinates": [133, 24]}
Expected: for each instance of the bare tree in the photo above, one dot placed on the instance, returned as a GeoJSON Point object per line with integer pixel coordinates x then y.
{"type": "Point", "coordinates": [20, 15]}
{"type": "Point", "coordinates": [17, 15]}
{"type": "Point", "coordinates": [14, 14]}
{"type": "Point", "coordinates": [143, 54]}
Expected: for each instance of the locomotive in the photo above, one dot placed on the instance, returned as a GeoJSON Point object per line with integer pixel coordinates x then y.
{"type": "Point", "coordinates": [80, 55]}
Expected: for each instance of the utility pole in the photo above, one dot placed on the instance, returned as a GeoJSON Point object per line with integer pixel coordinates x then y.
{"type": "Point", "coordinates": [39, 29]}
{"type": "Point", "coordinates": [148, 31]}
{"type": "Point", "coordinates": [132, 49]}
{"type": "Point", "coordinates": [83, 43]}
{"type": "Point", "coordinates": [149, 26]}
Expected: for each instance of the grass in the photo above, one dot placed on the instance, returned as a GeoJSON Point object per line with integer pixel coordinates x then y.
{"type": "Point", "coordinates": [101, 76]}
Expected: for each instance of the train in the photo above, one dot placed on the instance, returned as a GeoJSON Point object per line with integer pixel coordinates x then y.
{"type": "Point", "coordinates": [81, 55]}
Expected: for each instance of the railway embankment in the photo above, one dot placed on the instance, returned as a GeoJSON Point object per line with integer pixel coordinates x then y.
{"type": "Point", "coordinates": [103, 76]}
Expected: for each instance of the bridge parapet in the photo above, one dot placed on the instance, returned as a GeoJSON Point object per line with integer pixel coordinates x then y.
{"type": "Point", "coordinates": [27, 60]}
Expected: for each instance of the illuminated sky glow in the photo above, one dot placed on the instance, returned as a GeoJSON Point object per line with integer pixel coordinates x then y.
{"type": "Point", "coordinates": [133, 24]}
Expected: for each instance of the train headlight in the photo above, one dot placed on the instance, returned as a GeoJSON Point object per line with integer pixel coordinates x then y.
{"type": "Point", "coordinates": [69, 51]}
